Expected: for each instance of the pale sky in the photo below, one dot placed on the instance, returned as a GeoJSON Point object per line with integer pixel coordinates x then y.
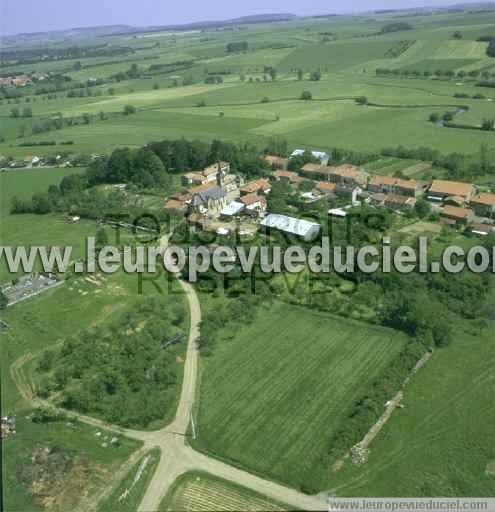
{"type": "Point", "coordinates": [40, 15]}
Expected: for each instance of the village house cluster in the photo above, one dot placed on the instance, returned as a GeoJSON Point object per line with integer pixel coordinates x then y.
{"type": "Point", "coordinates": [216, 199]}
{"type": "Point", "coordinates": [22, 80]}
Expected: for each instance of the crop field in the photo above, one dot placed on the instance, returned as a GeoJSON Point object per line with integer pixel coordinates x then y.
{"type": "Point", "coordinates": [201, 492]}
{"type": "Point", "coordinates": [333, 57]}
{"type": "Point", "coordinates": [257, 107]}
{"type": "Point", "coordinates": [293, 381]}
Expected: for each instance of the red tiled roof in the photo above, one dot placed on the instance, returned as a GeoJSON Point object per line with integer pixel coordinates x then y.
{"type": "Point", "coordinates": [254, 186]}
{"type": "Point", "coordinates": [251, 199]}
{"type": "Point", "coordinates": [484, 199]}
{"type": "Point", "coordinates": [451, 188]}
{"type": "Point", "coordinates": [456, 212]}
{"type": "Point", "coordinates": [325, 186]}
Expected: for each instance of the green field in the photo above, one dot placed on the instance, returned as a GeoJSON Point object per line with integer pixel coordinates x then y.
{"type": "Point", "coordinates": [23, 183]}
{"type": "Point", "coordinates": [441, 443]}
{"type": "Point", "coordinates": [273, 392]}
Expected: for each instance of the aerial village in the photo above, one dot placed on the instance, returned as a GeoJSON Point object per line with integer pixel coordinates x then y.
{"type": "Point", "coordinates": [218, 200]}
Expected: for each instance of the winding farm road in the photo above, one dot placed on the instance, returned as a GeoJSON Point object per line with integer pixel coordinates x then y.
{"type": "Point", "coordinates": [177, 457]}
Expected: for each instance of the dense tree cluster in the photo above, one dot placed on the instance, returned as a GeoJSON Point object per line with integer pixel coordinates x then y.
{"type": "Point", "coordinates": [458, 165]}
{"type": "Point", "coordinates": [181, 155]}
{"type": "Point", "coordinates": [438, 73]}
{"type": "Point", "coordinates": [140, 167]}
{"type": "Point", "coordinates": [398, 26]}
{"type": "Point", "coordinates": [125, 373]}
{"type": "Point", "coordinates": [237, 47]}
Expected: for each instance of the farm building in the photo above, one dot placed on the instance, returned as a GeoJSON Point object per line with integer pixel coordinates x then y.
{"type": "Point", "coordinates": [351, 192]}
{"type": "Point", "coordinates": [325, 188]}
{"type": "Point", "coordinates": [316, 172]}
{"type": "Point", "coordinates": [398, 202]}
{"type": "Point", "coordinates": [391, 185]}
{"type": "Point", "coordinates": [440, 190]}
{"type": "Point", "coordinates": [337, 213]}
{"type": "Point", "coordinates": [323, 157]}
{"type": "Point", "coordinates": [481, 229]}
{"type": "Point", "coordinates": [193, 178]}
{"type": "Point", "coordinates": [255, 204]}
{"type": "Point", "coordinates": [178, 202]}
{"type": "Point", "coordinates": [232, 209]}
{"type": "Point", "coordinates": [349, 175]}
{"type": "Point", "coordinates": [409, 188]}
{"type": "Point", "coordinates": [301, 228]}
{"type": "Point", "coordinates": [287, 176]}
{"type": "Point", "coordinates": [254, 187]}
{"type": "Point", "coordinates": [484, 205]}
{"type": "Point", "coordinates": [382, 184]}
{"type": "Point", "coordinates": [457, 215]}
{"type": "Point", "coordinates": [208, 174]}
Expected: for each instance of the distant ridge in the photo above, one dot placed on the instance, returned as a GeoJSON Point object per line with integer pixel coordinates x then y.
{"type": "Point", "coordinates": [115, 30]}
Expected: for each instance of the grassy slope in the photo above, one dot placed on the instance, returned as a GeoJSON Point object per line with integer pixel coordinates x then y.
{"type": "Point", "coordinates": [272, 395]}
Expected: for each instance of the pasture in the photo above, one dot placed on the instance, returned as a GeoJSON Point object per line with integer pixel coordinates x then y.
{"type": "Point", "coordinates": [33, 230]}
{"type": "Point", "coordinates": [23, 183]}
{"type": "Point", "coordinates": [274, 391]}
{"type": "Point", "coordinates": [58, 465]}
{"type": "Point", "coordinates": [201, 492]}
{"type": "Point", "coordinates": [441, 443]}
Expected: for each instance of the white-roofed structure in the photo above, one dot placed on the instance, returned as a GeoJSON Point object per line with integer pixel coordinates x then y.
{"type": "Point", "coordinates": [337, 212]}
{"type": "Point", "coordinates": [299, 227]}
{"type": "Point", "coordinates": [319, 155]}
{"type": "Point", "coordinates": [232, 209]}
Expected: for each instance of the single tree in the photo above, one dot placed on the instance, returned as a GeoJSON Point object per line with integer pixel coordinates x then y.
{"type": "Point", "coordinates": [129, 109]}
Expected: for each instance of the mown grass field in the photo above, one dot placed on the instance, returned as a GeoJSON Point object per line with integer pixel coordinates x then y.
{"type": "Point", "coordinates": [201, 492]}
{"type": "Point", "coordinates": [273, 392]}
